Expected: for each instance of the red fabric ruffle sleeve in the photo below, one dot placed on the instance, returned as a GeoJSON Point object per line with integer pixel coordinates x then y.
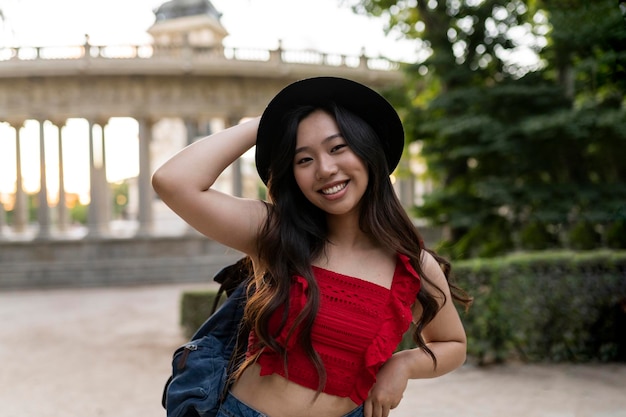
{"type": "Point", "coordinates": [396, 322]}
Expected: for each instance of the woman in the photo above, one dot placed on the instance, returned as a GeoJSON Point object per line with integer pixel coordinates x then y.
{"type": "Point", "coordinates": [340, 271]}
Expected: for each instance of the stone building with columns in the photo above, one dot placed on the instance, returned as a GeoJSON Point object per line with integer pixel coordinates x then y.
{"type": "Point", "coordinates": [186, 75]}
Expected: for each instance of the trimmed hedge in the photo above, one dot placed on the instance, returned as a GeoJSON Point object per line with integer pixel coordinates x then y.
{"type": "Point", "coordinates": [557, 306]}
{"type": "Point", "coordinates": [195, 308]}
{"type": "Point", "coordinates": [546, 306]}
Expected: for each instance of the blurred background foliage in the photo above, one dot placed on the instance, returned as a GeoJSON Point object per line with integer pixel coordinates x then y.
{"type": "Point", "coordinates": [524, 155]}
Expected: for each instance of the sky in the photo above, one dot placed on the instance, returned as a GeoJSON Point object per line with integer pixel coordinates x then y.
{"type": "Point", "coordinates": [321, 25]}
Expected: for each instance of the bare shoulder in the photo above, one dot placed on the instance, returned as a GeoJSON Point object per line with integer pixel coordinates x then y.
{"type": "Point", "coordinates": [436, 279]}
{"type": "Point", "coordinates": [431, 267]}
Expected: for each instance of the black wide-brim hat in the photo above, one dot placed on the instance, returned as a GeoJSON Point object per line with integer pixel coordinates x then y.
{"type": "Point", "coordinates": [355, 97]}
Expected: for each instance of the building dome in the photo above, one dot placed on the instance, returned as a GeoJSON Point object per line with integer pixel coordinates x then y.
{"type": "Point", "coordinates": [174, 9]}
{"type": "Point", "coordinates": [188, 22]}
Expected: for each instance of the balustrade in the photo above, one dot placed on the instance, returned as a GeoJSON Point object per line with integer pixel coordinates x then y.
{"type": "Point", "coordinates": [148, 83]}
{"type": "Point", "coordinates": [191, 52]}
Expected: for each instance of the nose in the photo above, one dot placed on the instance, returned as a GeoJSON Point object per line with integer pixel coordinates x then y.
{"type": "Point", "coordinates": [326, 167]}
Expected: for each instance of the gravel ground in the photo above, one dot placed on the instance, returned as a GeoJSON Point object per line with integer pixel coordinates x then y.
{"type": "Point", "coordinates": [106, 353]}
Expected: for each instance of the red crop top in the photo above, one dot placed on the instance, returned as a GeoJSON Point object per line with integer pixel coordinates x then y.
{"type": "Point", "coordinates": [357, 329]}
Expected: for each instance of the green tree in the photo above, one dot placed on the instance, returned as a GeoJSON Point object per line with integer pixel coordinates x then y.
{"type": "Point", "coordinates": [587, 58]}
{"type": "Point", "coordinates": [522, 154]}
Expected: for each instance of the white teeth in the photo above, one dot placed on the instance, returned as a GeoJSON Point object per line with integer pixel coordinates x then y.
{"type": "Point", "coordinates": [335, 189]}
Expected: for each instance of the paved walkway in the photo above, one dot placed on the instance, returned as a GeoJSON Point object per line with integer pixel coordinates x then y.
{"type": "Point", "coordinates": [106, 353]}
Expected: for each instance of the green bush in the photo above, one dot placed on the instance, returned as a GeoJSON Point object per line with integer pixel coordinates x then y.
{"type": "Point", "coordinates": [195, 308]}
{"type": "Point", "coordinates": [484, 241]}
{"type": "Point", "coordinates": [583, 236]}
{"type": "Point", "coordinates": [535, 236]}
{"type": "Point", "coordinates": [616, 235]}
{"type": "Point", "coordinates": [548, 306]}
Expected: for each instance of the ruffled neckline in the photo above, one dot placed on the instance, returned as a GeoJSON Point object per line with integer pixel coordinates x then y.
{"type": "Point", "coordinates": [358, 280]}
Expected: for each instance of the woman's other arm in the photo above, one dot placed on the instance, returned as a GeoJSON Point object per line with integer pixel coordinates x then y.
{"type": "Point", "coordinates": [184, 183]}
{"type": "Point", "coordinates": [444, 336]}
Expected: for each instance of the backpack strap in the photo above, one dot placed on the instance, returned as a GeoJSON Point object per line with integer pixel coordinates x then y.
{"type": "Point", "coordinates": [230, 277]}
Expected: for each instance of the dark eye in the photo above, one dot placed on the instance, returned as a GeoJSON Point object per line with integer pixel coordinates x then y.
{"type": "Point", "coordinates": [338, 147]}
{"type": "Point", "coordinates": [303, 160]}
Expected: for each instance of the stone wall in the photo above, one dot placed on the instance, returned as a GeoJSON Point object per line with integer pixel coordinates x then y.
{"type": "Point", "coordinates": [111, 262]}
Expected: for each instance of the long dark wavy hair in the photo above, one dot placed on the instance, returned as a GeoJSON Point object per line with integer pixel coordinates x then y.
{"type": "Point", "coordinates": [295, 233]}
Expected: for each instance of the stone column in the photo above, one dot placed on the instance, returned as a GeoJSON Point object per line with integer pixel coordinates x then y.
{"type": "Point", "coordinates": [276, 55]}
{"type": "Point", "coordinates": [62, 213]}
{"type": "Point", "coordinates": [43, 211]}
{"type": "Point", "coordinates": [20, 209]}
{"type": "Point", "coordinates": [92, 210]}
{"type": "Point", "coordinates": [407, 194]}
{"type": "Point", "coordinates": [96, 215]}
{"type": "Point", "coordinates": [107, 204]}
{"type": "Point", "coordinates": [363, 60]}
{"type": "Point", "coordinates": [145, 215]}
{"type": "Point", "coordinates": [3, 221]}
{"type": "Point", "coordinates": [191, 125]}
{"type": "Point", "coordinates": [3, 218]}
{"type": "Point", "coordinates": [237, 176]}
{"type": "Point", "coordinates": [406, 184]}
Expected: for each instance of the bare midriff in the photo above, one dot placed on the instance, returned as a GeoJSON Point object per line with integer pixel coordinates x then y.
{"type": "Point", "coordinates": [276, 396]}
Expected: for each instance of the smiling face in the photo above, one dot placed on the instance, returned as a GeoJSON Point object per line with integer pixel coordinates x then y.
{"type": "Point", "coordinates": [328, 172]}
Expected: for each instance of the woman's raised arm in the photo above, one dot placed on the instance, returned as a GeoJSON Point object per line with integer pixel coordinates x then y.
{"type": "Point", "coordinates": [184, 183]}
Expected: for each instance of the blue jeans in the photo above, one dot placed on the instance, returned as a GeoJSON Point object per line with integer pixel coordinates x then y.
{"type": "Point", "coordinates": [232, 407]}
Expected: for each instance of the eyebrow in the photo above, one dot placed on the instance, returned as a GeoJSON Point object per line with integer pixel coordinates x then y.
{"type": "Point", "coordinates": [331, 137]}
